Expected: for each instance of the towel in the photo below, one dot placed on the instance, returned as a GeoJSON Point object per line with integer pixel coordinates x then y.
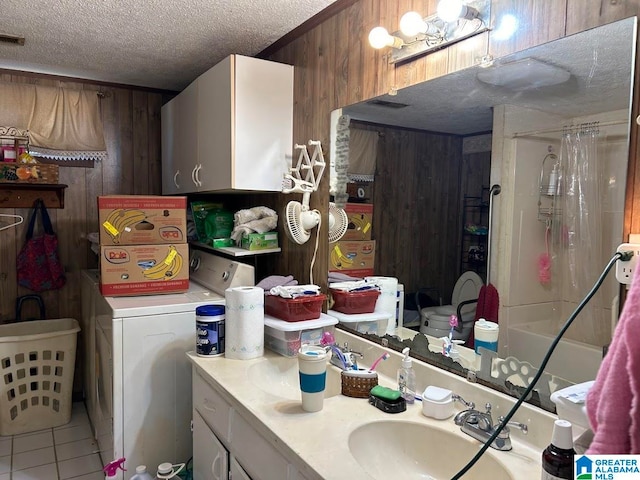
{"type": "Point", "coordinates": [487, 308]}
{"type": "Point", "coordinates": [271, 281]}
{"type": "Point", "coordinates": [613, 403]}
{"type": "Point", "coordinates": [341, 277]}
{"type": "Point", "coordinates": [256, 219]}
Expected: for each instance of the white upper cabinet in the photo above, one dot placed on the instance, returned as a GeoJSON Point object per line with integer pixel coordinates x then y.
{"type": "Point", "coordinates": [231, 129]}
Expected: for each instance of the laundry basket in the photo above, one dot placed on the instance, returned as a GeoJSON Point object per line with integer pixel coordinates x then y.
{"type": "Point", "coordinates": [37, 361]}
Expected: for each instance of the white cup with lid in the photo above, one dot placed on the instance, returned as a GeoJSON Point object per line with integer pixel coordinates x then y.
{"type": "Point", "coordinates": [486, 335]}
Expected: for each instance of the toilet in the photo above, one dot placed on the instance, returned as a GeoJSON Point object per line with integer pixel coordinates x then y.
{"type": "Point", "coordinates": [434, 321]}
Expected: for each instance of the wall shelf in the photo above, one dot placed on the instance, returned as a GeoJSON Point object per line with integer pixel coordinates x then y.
{"type": "Point", "coordinates": [235, 251]}
{"type": "Point", "coordinates": [23, 195]}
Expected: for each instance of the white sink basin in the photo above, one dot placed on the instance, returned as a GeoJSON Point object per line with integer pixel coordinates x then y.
{"type": "Point", "coordinates": [279, 376]}
{"type": "Point", "coordinates": [408, 450]}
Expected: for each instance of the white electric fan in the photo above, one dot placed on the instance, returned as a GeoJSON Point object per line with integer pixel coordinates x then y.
{"type": "Point", "coordinates": [338, 222]}
{"type": "Point", "coordinates": [305, 178]}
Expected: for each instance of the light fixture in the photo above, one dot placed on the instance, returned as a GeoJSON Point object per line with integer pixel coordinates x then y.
{"type": "Point", "coordinates": [525, 74]}
{"type": "Point", "coordinates": [454, 21]}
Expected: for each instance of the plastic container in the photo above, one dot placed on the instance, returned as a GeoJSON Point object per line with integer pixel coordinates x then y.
{"type": "Point", "coordinates": [304, 307]}
{"type": "Point", "coordinates": [37, 360]}
{"type": "Point", "coordinates": [142, 474]}
{"type": "Point", "coordinates": [286, 338]}
{"type": "Point", "coordinates": [373, 323]}
{"type": "Point", "coordinates": [437, 403]}
{"type": "Point", "coordinates": [486, 335]}
{"type": "Point", "coordinates": [210, 330]}
{"type": "Point", "coordinates": [363, 301]}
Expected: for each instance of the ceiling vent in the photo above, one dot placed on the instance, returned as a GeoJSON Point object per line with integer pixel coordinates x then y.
{"type": "Point", "coordinates": [14, 39]}
{"type": "Point", "coordinates": [386, 104]}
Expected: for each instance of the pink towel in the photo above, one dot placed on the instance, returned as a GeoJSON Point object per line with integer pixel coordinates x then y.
{"type": "Point", "coordinates": [613, 403]}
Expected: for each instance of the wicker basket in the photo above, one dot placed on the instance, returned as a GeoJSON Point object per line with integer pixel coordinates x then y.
{"type": "Point", "coordinates": [30, 173]}
{"type": "Point", "coordinates": [358, 383]}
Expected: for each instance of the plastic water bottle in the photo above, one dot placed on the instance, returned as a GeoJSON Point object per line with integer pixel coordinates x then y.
{"type": "Point", "coordinates": [141, 473]}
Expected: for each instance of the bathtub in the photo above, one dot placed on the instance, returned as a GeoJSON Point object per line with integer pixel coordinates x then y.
{"type": "Point", "coordinates": [574, 361]}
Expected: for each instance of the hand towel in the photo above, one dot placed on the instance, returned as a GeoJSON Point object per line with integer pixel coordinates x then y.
{"type": "Point", "coordinates": [250, 214]}
{"type": "Point", "coordinates": [613, 403]}
{"type": "Point", "coordinates": [261, 225]}
{"type": "Point", "coordinates": [271, 281]}
{"type": "Point", "coordinates": [487, 308]}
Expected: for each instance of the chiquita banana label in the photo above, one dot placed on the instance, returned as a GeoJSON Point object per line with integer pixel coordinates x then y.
{"type": "Point", "coordinates": [339, 259]}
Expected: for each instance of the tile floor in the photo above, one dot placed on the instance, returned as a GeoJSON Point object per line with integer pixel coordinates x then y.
{"type": "Point", "coordinates": [61, 453]}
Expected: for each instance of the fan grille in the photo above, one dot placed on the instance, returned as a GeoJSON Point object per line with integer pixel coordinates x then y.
{"type": "Point", "coordinates": [338, 223]}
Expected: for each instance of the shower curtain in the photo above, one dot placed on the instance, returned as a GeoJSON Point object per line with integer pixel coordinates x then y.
{"type": "Point", "coordinates": [577, 229]}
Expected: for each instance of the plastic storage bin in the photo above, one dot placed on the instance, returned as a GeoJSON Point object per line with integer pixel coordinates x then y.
{"type": "Point", "coordinates": [374, 323]}
{"type": "Point", "coordinates": [286, 338]}
{"type": "Point", "coordinates": [304, 307]}
{"type": "Point", "coordinates": [37, 360]}
{"type": "Point", "coordinates": [363, 301]}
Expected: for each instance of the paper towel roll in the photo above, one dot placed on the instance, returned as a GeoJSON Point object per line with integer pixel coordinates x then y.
{"type": "Point", "coordinates": [386, 302]}
{"type": "Point", "coordinates": [244, 323]}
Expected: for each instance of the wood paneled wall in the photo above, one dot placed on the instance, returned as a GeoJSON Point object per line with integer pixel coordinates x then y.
{"type": "Point", "coordinates": [131, 119]}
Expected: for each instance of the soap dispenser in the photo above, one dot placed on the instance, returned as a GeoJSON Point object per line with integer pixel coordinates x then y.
{"type": "Point", "coordinates": [407, 378]}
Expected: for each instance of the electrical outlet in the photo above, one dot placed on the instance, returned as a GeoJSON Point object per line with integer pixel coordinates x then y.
{"type": "Point", "coordinates": [624, 270]}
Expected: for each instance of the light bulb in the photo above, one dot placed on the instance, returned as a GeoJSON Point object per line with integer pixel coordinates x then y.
{"type": "Point", "coordinates": [411, 24]}
{"type": "Point", "coordinates": [450, 10]}
{"type": "Point", "coordinates": [379, 38]}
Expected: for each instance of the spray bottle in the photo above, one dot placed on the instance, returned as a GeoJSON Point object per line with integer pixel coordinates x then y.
{"type": "Point", "coordinates": [111, 469]}
{"type": "Point", "coordinates": [407, 378]}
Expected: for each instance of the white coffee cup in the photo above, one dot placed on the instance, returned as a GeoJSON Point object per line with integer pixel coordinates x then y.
{"type": "Point", "coordinates": [486, 335]}
{"type": "Point", "coordinates": [312, 363]}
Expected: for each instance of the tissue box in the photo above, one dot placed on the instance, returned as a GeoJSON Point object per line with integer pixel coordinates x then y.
{"type": "Point", "coordinates": [259, 241]}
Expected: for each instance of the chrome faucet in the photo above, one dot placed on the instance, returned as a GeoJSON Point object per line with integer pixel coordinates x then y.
{"type": "Point", "coordinates": [480, 425]}
{"type": "Point", "coordinates": [344, 358]}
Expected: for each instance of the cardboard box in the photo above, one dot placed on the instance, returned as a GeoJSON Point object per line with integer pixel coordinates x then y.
{"type": "Point", "coordinates": [353, 256]}
{"type": "Point", "coordinates": [259, 241]}
{"type": "Point", "coordinates": [360, 221]}
{"type": "Point", "coordinates": [144, 269]}
{"type": "Point", "coordinates": [142, 219]}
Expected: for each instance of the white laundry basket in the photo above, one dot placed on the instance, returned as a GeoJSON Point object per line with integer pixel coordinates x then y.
{"type": "Point", "coordinates": [37, 360]}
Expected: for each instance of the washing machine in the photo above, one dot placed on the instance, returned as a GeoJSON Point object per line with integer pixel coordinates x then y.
{"type": "Point", "coordinates": [138, 385]}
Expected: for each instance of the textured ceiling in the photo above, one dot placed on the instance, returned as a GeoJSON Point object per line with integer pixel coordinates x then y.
{"type": "Point", "coordinates": [154, 43]}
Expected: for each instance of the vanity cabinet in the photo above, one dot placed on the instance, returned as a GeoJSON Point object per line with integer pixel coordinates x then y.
{"type": "Point", "coordinates": [226, 445]}
{"type": "Point", "coordinates": [231, 129]}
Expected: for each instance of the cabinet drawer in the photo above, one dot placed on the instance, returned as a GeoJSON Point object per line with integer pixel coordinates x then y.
{"type": "Point", "coordinates": [215, 411]}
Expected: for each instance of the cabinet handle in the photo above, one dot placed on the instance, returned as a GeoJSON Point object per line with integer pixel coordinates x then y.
{"type": "Point", "coordinates": [215, 468]}
{"type": "Point", "coordinates": [175, 179]}
{"type": "Point", "coordinates": [193, 175]}
{"type": "Point", "coordinates": [198, 168]}
{"type": "Point", "coordinates": [209, 405]}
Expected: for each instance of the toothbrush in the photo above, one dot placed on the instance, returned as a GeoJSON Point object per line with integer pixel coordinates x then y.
{"type": "Point", "coordinates": [453, 322]}
{"type": "Point", "coordinates": [375, 364]}
{"type": "Point", "coordinates": [340, 355]}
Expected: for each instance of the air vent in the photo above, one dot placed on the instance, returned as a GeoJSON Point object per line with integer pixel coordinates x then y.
{"type": "Point", "coordinates": [4, 38]}
{"type": "Point", "coordinates": [385, 104]}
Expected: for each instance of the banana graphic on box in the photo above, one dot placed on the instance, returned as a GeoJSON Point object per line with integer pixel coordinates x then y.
{"type": "Point", "coordinates": [121, 220]}
{"type": "Point", "coordinates": [166, 269]}
{"type": "Point", "coordinates": [339, 259]}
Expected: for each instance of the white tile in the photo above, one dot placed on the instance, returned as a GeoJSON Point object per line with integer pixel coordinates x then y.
{"type": "Point", "coordinates": [32, 433]}
{"type": "Point", "coordinates": [5, 464]}
{"type": "Point", "coordinates": [79, 448]}
{"type": "Point", "coordinates": [5, 476]}
{"type": "Point", "coordinates": [89, 476]}
{"type": "Point", "coordinates": [5, 446]}
{"type": "Point", "coordinates": [32, 442]}
{"type": "Point", "coordinates": [43, 472]}
{"type": "Point", "coordinates": [33, 458]}
{"type": "Point", "coordinates": [79, 466]}
{"type": "Point", "coordinates": [72, 434]}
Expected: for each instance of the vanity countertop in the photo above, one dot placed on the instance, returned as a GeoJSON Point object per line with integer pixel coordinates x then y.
{"type": "Point", "coordinates": [321, 439]}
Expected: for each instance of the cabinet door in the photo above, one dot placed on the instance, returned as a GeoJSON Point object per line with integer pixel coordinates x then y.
{"type": "Point", "coordinates": [186, 140]}
{"type": "Point", "coordinates": [210, 458]}
{"type": "Point", "coordinates": [263, 123]}
{"type": "Point", "coordinates": [215, 119]}
{"type": "Point", "coordinates": [157, 387]}
{"type": "Point", "coordinates": [236, 472]}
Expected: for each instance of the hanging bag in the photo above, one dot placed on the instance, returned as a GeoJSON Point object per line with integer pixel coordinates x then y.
{"type": "Point", "coordinates": [38, 264]}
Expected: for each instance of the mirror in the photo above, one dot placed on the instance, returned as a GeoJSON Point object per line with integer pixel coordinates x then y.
{"type": "Point", "coordinates": [528, 122]}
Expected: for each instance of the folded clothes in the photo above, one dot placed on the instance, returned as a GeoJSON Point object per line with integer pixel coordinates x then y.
{"type": "Point", "coordinates": [250, 214]}
{"type": "Point", "coordinates": [262, 225]}
{"type": "Point", "coordinates": [295, 290]}
{"type": "Point", "coordinates": [268, 283]}
{"type": "Point", "coordinates": [341, 277]}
